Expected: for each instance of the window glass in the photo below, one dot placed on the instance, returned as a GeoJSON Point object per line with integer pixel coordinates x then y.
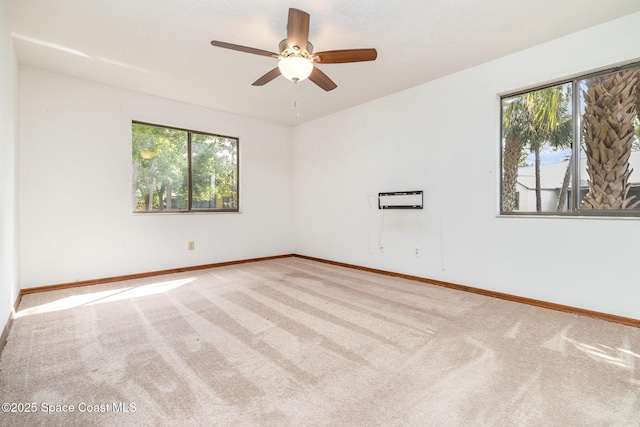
{"type": "Point", "coordinates": [573, 148]}
{"type": "Point", "coordinates": [609, 176]}
{"type": "Point", "coordinates": [213, 160]}
{"type": "Point", "coordinates": [536, 150]}
{"type": "Point", "coordinates": [177, 170]}
{"type": "Point", "coordinates": [160, 168]}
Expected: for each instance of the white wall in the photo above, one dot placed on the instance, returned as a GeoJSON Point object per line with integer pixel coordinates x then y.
{"type": "Point", "coordinates": [443, 138]}
{"type": "Point", "coordinates": [9, 285]}
{"type": "Point", "coordinates": [75, 186]}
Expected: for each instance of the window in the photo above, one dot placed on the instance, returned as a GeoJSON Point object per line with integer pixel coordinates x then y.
{"type": "Point", "coordinates": [573, 148]}
{"type": "Point", "coordinates": [178, 170]}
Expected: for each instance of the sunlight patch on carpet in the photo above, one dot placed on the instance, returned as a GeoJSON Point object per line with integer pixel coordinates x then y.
{"type": "Point", "coordinates": [104, 297]}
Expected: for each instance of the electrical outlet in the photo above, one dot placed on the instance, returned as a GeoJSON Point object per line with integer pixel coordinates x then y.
{"type": "Point", "coordinates": [192, 245]}
{"type": "Point", "coordinates": [417, 251]}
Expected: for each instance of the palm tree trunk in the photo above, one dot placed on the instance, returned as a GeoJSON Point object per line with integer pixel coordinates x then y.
{"type": "Point", "coordinates": [562, 198]}
{"type": "Point", "coordinates": [538, 189]}
{"type": "Point", "coordinates": [638, 101]}
{"type": "Point", "coordinates": [608, 131]}
{"type": "Point", "coordinates": [512, 152]}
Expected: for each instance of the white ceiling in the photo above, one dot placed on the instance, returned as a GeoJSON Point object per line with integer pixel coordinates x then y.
{"type": "Point", "coordinates": [162, 47]}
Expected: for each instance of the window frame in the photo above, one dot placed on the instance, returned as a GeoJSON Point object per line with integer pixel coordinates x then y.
{"type": "Point", "coordinates": [576, 146]}
{"type": "Point", "coordinates": [189, 209]}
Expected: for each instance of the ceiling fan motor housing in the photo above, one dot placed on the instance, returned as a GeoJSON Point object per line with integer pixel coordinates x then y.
{"type": "Point", "coordinates": [286, 51]}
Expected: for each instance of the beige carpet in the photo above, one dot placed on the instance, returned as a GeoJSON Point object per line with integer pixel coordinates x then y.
{"type": "Point", "coordinates": [293, 342]}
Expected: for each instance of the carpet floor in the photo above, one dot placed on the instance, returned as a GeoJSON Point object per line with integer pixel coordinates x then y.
{"type": "Point", "coordinates": [294, 342]}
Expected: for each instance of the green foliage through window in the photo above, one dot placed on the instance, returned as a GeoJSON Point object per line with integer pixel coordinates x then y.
{"type": "Point", "coordinates": [571, 148]}
{"type": "Point", "coordinates": [177, 170]}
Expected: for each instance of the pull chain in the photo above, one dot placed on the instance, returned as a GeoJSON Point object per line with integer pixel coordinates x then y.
{"type": "Point", "coordinates": [295, 101]}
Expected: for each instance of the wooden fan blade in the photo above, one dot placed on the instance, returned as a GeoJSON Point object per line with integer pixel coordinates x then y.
{"type": "Point", "coordinates": [298, 29]}
{"type": "Point", "coordinates": [267, 77]}
{"type": "Point", "coordinates": [347, 55]}
{"type": "Point", "coordinates": [322, 80]}
{"type": "Point", "coordinates": [243, 48]}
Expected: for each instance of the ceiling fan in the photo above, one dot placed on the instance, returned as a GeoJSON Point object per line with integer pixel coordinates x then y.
{"type": "Point", "coordinates": [296, 55]}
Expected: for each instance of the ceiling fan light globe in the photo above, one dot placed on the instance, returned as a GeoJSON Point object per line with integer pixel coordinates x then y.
{"type": "Point", "coordinates": [295, 68]}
